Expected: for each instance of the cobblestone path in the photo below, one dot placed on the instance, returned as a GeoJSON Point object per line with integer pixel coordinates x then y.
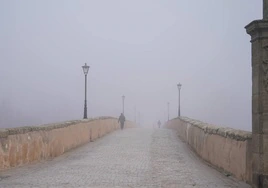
{"type": "Point", "coordinates": [130, 158]}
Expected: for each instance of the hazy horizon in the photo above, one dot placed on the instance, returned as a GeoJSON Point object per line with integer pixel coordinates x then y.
{"type": "Point", "coordinates": [140, 49]}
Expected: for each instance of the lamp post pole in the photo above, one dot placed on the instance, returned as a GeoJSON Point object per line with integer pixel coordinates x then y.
{"type": "Point", "coordinates": [135, 119]}
{"type": "Point", "coordinates": [179, 100]}
{"type": "Point", "coordinates": [85, 69]}
{"type": "Point", "coordinates": [139, 119]}
{"type": "Point", "coordinates": [123, 99]}
{"type": "Point", "coordinates": [168, 110]}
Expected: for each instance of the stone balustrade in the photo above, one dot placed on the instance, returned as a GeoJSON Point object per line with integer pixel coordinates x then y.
{"type": "Point", "coordinates": [24, 145]}
{"type": "Point", "coordinates": [227, 149]}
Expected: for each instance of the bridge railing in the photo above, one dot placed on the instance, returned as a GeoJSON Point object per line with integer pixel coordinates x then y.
{"type": "Point", "coordinates": [24, 145]}
{"type": "Point", "coordinates": [227, 149]}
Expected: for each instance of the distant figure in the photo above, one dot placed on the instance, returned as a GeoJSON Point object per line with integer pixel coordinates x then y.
{"type": "Point", "coordinates": [159, 124]}
{"type": "Point", "coordinates": [122, 120]}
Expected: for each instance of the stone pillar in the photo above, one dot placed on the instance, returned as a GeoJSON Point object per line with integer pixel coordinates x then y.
{"type": "Point", "coordinates": [258, 30]}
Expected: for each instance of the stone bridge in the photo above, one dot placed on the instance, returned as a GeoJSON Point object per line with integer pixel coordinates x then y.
{"type": "Point", "coordinates": [188, 154]}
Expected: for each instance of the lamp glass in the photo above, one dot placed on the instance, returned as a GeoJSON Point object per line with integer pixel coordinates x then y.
{"type": "Point", "coordinates": [85, 68]}
{"type": "Point", "coordinates": [179, 86]}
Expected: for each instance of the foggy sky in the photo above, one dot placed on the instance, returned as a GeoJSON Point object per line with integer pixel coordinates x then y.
{"type": "Point", "coordinates": [141, 49]}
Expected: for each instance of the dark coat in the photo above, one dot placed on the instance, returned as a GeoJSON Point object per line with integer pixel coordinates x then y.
{"type": "Point", "coordinates": [122, 119]}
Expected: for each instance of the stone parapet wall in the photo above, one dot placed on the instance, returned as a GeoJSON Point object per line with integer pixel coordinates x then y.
{"type": "Point", "coordinates": [225, 148]}
{"type": "Point", "coordinates": [24, 145]}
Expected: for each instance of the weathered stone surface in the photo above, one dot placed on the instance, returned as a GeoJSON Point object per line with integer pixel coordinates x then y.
{"type": "Point", "coordinates": [47, 127]}
{"type": "Point", "coordinates": [3, 133]}
{"type": "Point", "coordinates": [265, 9]}
{"type": "Point", "coordinates": [254, 29]}
{"type": "Point", "coordinates": [265, 144]}
{"type": "Point", "coordinates": [258, 30]}
{"type": "Point", "coordinates": [27, 144]}
{"type": "Point", "coordinates": [256, 143]}
{"type": "Point", "coordinates": [222, 131]}
{"type": "Point", "coordinates": [225, 148]}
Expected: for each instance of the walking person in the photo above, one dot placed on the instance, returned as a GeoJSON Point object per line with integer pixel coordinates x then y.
{"type": "Point", "coordinates": [159, 124]}
{"type": "Point", "coordinates": [122, 120]}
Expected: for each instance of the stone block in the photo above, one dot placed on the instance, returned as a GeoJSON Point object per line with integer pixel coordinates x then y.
{"type": "Point", "coordinates": [264, 103]}
{"type": "Point", "coordinates": [256, 104]}
{"type": "Point", "coordinates": [255, 80]}
{"type": "Point", "coordinates": [249, 161]}
{"type": "Point", "coordinates": [255, 179]}
{"type": "Point", "coordinates": [256, 143]}
{"type": "Point", "coordinates": [259, 180]}
{"type": "Point", "coordinates": [265, 124]}
{"type": "Point", "coordinates": [256, 120]}
{"type": "Point", "coordinates": [265, 161]}
{"type": "Point", "coordinates": [265, 180]}
{"type": "Point", "coordinates": [256, 163]}
{"type": "Point", "coordinates": [256, 56]}
{"type": "Point", "coordinates": [265, 145]}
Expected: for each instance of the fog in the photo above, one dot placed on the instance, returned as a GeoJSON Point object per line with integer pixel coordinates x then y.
{"type": "Point", "coordinates": [141, 49]}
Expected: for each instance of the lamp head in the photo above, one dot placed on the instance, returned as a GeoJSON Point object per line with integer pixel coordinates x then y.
{"type": "Point", "coordinates": [85, 68]}
{"type": "Point", "coordinates": [179, 86]}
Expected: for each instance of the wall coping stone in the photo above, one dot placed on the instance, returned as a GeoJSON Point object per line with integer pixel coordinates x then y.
{"type": "Point", "coordinates": [236, 134]}
{"type": "Point", "coordinates": [4, 133]}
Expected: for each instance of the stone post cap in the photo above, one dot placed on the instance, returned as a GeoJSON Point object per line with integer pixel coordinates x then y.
{"type": "Point", "coordinates": [257, 29]}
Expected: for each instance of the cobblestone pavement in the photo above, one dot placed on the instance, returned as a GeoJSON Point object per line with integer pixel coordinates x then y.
{"type": "Point", "coordinates": [130, 158]}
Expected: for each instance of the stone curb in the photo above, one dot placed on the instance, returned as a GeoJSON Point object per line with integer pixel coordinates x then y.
{"type": "Point", "coordinates": [46, 127]}
{"type": "Point", "coordinates": [236, 134]}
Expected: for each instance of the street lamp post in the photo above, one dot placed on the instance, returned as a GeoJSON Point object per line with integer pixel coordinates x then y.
{"type": "Point", "coordinates": [139, 119]}
{"type": "Point", "coordinates": [123, 99]}
{"type": "Point", "coordinates": [135, 118]}
{"type": "Point", "coordinates": [85, 69]}
{"type": "Point", "coordinates": [179, 101]}
{"type": "Point", "coordinates": [168, 110]}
